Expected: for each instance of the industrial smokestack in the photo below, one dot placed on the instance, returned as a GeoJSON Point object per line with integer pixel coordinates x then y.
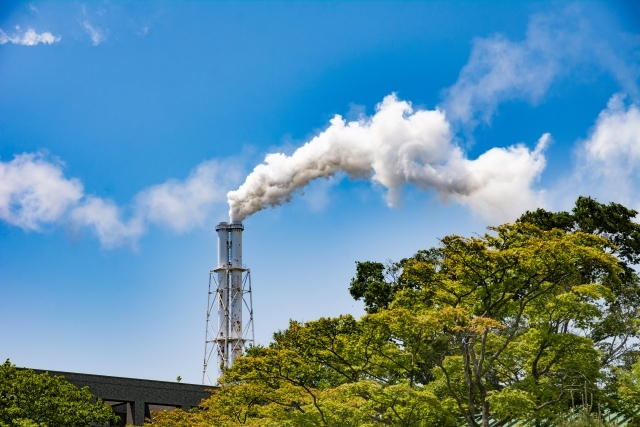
{"type": "Point", "coordinates": [223, 237]}
{"type": "Point", "coordinates": [222, 338]}
{"type": "Point", "coordinates": [236, 343]}
{"type": "Point", "coordinates": [232, 293]}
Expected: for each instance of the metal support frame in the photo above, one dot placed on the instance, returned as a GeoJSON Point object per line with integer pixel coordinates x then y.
{"type": "Point", "coordinates": [219, 339]}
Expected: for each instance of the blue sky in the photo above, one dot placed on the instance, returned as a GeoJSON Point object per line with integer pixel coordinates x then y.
{"type": "Point", "coordinates": [123, 125]}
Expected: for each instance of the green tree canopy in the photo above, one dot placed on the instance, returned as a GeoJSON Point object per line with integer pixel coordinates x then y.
{"type": "Point", "coordinates": [616, 334]}
{"type": "Point", "coordinates": [28, 399]}
{"type": "Point", "coordinates": [503, 326]}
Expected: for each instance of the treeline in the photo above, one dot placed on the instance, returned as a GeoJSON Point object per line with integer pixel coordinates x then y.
{"type": "Point", "coordinates": [536, 320]}
{"type": "Point", "coordinates": [527, 322]}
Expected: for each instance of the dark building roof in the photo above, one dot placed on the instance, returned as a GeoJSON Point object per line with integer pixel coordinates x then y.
{"type": "Point", "coordinates": [134, 399]}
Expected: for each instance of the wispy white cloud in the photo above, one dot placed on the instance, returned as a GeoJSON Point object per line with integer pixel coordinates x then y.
{"type": "Point", "coordinates": [175, 204]}
{"type": "Point", "coordinates": [28, 38]}
{"type": "Point", "coordinates": [182, 205]}
{"type": "Point", "coordinates": [555, 44]}
{"type": "Point", "coordinates": [96, 33]}
{"type": "Point", "coordinates": [104, 217]}
{"type": "Point", "coordinates": [34, 191]}
{"type": "Point", "coordinates": [608, 160]}
{"type": "Point", "coordinates": [615, 139]}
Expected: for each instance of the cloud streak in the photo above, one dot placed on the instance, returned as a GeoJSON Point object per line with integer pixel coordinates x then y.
{"type": "Point", "coordinates": [182, 205]}
{"type": "Point", "coordinates": [96, 34]}
{"type": "Point", "coordinates": [556, 44]}
{"type": "Point", "coordinates": [34, 193]}
{"type": "Point", "coordinates": [104, 218]}
{"type": "Point", "coordinates": [28, 38]}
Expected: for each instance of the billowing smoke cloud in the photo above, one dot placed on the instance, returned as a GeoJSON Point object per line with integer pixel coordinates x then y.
{"type": "Point", "coordinates": [507, 175]}
{"type": "Point", "coordinates": [28, 38]}
{"type": "Point", "coordinates": [556, 44]}
{"type": "Point", "coordinates": [34, 193]}
{"type": "Point", "coordinates": [396, 146]}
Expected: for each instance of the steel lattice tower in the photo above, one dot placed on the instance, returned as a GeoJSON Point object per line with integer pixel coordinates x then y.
{"type": "Point", "coordinates": [230, 297]}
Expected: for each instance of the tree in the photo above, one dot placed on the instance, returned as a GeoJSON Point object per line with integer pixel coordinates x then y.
{"type": "Point", "coordinates": [329, 372]}
{"type": "Point", "coordinates": [377, 283]}
{"type": "Point", "coordinates": [482, 327]}
{"type": "Point", "coordinates": [628, 391]}
{"type": "Point", "coordinates": [502, 315]}
{"type": "Point", "coordinates": [28, 399]}
{"type": "Point", "coordinates": [487, 329]}
{"type": "Point", "coordinates": [617, 333]}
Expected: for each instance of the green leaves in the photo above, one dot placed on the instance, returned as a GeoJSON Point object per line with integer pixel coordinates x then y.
{"type": "Point", "coordinates": [617, 331]}
{"type": "Point", "coordinates": [374, 285]}
{"type": "Point", "coordinates": [28, 399]}
{"type": "Point", "coordinates": [497, 327]}
{"type": "Point", "coordinates": [511, 403]}
{"type": "Point", "coordinates": [501, 316]}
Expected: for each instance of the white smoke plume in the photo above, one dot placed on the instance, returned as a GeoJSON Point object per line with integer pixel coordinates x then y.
{"type": "Point", "coordinates": [28, 38]}
{"type": "Point", "coordinates": [396, 146]}
{"type": "Point", "coordinates": [507, 175]}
